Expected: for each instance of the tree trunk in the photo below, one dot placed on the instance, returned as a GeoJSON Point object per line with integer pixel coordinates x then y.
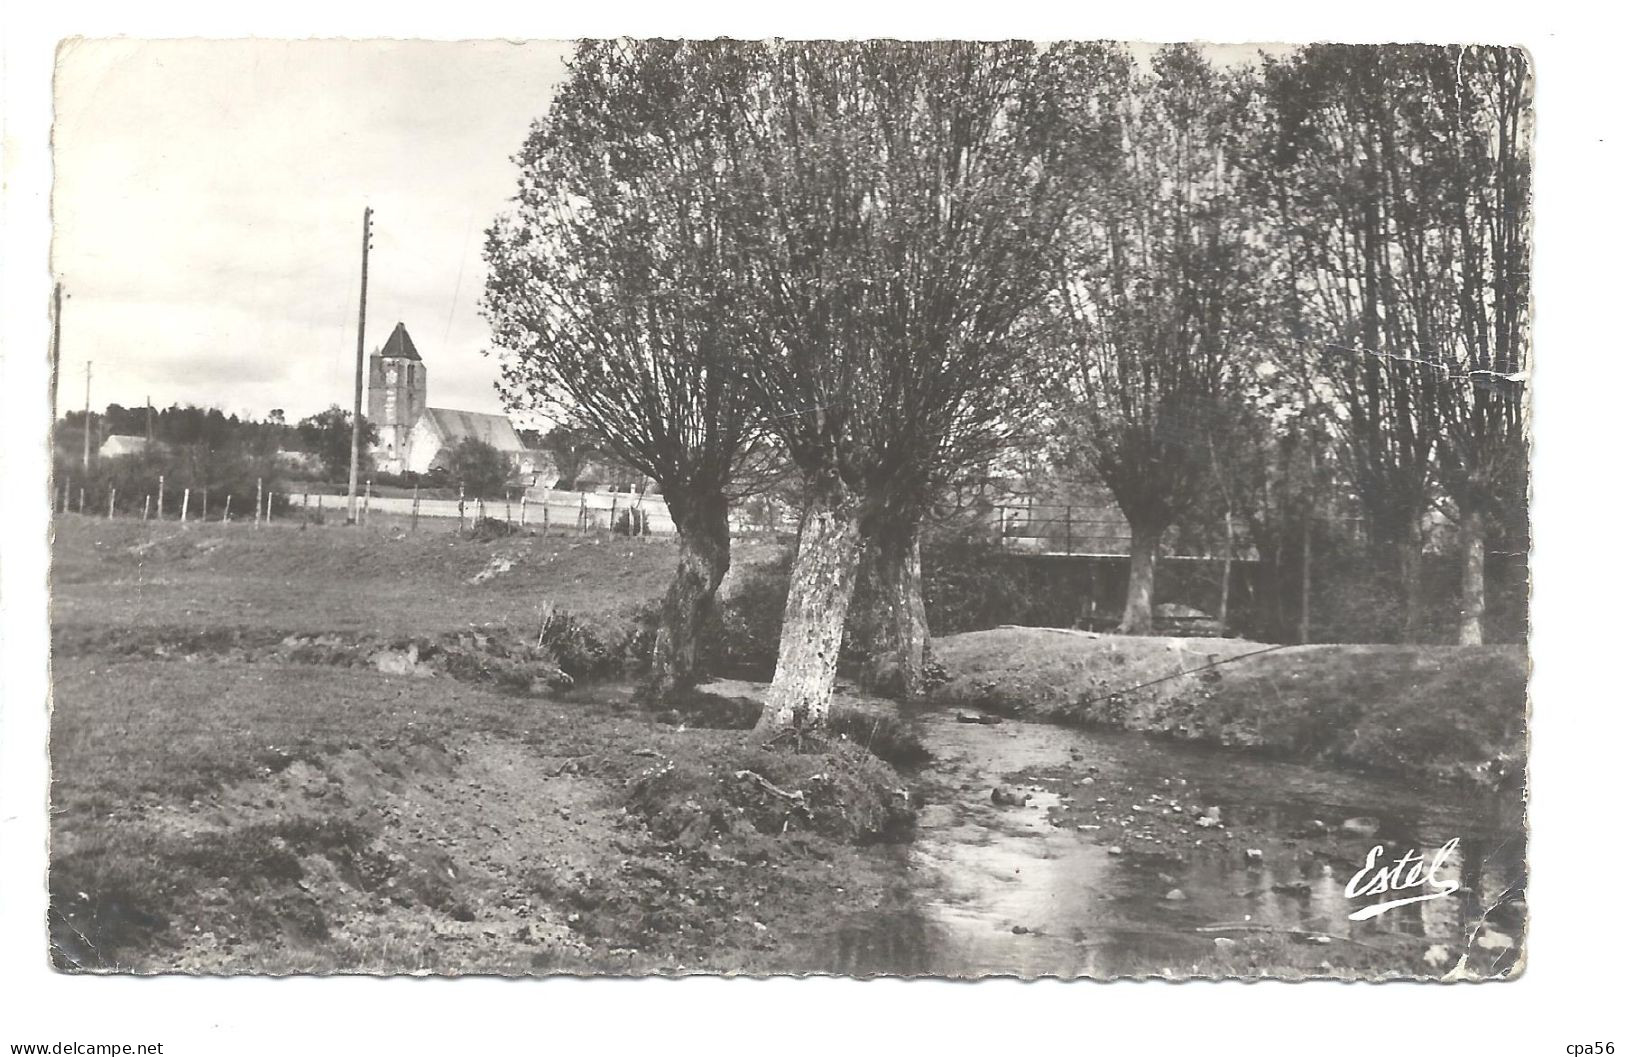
{"type": "Point", "coordinates": [1410, 584]}
{"type": "Point", "coordinates": [702, 562]}
{"type": "Point", "coordinates": [901, 643]}
{"type": "Point", "coordinates": [1138, 617]}
{"type": "Point", "coordinates": [1472, 579]}
{"type": "Point", "coordinates": [821, 581]}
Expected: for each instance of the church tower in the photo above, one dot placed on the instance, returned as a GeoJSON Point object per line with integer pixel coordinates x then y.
{"type": "Point", "coordinates": [397, 393]}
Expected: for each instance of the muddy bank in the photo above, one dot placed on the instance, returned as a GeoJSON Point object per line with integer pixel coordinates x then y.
{"type": "Point", "coordinates": [347, 821]}
{"type": "Point", "coordinates": [1440, 713]}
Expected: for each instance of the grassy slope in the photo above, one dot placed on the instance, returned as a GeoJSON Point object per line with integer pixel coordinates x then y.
{"type": "Point", "coordinates": [1433, 711]}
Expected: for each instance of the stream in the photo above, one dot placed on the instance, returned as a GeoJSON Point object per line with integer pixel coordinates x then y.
{"type": "Point", "coordinates": [1119, 854]}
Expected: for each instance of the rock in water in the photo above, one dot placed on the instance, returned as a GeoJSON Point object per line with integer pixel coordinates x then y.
{"type": "Point", "coordinates": [1004, 796]}
{"type": "Point", "coordinates": [1361, 827]}
{"type": "Point", "coordinates": [1255, 856]}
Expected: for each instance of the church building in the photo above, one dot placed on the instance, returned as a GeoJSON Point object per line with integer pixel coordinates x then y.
{"type": "Point", "coordinates": [414, 437]}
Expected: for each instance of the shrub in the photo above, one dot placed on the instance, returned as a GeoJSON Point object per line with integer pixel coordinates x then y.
{"type": "Point", "coordinates": [743, 636]}
{"type": "Point", "coordinates": [841, 791]}
{"type": "Point", "coordinates": [586, 650]}
{"type": "Point", "coordinates": [885, 735]}
{"type": "Point", "coordinates": [486, 529]}
{"type": "Point", "coordinates": [632, 521]}
{"type": "Point", "coordinates": [211, 475]}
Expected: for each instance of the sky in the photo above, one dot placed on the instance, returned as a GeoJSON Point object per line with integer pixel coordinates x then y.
{"type": "Point", "coordinates": [208, 206]}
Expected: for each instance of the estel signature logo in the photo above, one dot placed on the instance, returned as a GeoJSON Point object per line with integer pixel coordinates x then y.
{"type": "Point", "coordinates": [1410, 873]}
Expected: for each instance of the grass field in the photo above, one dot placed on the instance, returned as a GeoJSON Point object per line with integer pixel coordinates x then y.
{"type": "Point", "coordinates": [374, 580]}
{"type": "Point", "coordinates": [214, 810]}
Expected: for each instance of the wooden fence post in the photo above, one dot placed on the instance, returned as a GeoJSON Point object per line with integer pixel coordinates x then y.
{"type": "Point", "coordinates": [614, 505]}
{"type": "Point", "coordinates": [461, 507]}
{"type": "Point", "coordinates": [112, 493]}
{"type": "Point", "coordinates": [160, 510]}
{"type": "Point", "coordinates": [186, 499]}
{"type": "Point", "coordinates": [366, 504]}
{"type": "Point", "coordinates": [226, 517]}
{"type": "Point", "coordinates": [146, 507]}
{"type": "Point", "coordinates": [545, 496]}
{"type": "Point", "coordinates": [414, 506]}
{"type": "Point", "coordinates": [203, 505]}
{"type": "Point", "coordinates": [81, 499]}
{"type": "Point", "coordinates": [268, 497]}
{"type": "Point", "coordinates": [507, 506]}
{"type": "Point", "coordinates": [479, 509]}
{"type": "Point", "coordinates": [581, 522]}
{"type": "Point", "coordinates": [259, 498]}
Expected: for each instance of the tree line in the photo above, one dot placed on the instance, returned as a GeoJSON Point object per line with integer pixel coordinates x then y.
{"type": "Point", "coordinates": [184, 437]}
{"type": "Point", "coordinates": [881, 270]}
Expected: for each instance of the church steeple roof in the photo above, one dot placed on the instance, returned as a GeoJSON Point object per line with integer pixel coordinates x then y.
{"type": "Point", "coordinates": [399, 346]}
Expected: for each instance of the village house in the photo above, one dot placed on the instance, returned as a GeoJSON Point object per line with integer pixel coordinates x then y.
{"type": "Point", "coordinates": [122, 444]}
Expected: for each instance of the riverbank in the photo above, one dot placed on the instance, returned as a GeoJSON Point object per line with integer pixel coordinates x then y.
{"type": "Point", "coordinates": [1438, 713]}
{"type": "Point", "coordinates": [216, 815]}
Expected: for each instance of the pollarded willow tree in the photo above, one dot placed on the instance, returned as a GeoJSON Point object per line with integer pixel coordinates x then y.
{"type": "Point", "coordinates": [614, 296]}
{"type": "Point", "coordinates": [1157, 304]}
{"type": "Point", "coordinates": [904, 203]}
{"type": "Point", "coordinates": [1359, 190]}
{"type": "Point", "coordinates": [1484, 460]}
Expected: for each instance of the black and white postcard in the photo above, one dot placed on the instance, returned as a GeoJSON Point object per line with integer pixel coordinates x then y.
{"type": "Point", "coordinates": [662, 506]}
{"type": "Point", "coordinates": [866, 508]}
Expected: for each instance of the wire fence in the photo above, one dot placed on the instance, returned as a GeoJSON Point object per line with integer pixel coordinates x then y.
{"type": "Point", "coordinates": [536, 510]}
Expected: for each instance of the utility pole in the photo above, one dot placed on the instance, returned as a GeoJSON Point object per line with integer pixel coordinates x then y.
{"type": "Point", "coordinates": [56, 345]}
{"type": "Point", "coordinates": [360, 365]}
{"type": "Point", "coordinates": [87, 416]}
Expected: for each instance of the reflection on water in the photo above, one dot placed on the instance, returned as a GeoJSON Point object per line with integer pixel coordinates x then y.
{"type": "Point", "coordinates": [1026, 891]}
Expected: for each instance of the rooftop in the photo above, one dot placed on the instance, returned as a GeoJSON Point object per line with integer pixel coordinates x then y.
{"type": "Point", "coordinates": [399, 346]}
